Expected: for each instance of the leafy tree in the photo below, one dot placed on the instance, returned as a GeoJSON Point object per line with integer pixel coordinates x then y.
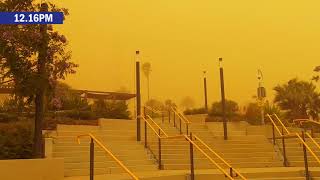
{"type": "Point", "coordinates": [146, 68]}
{"type": "Point", "coordinates": [231, 109]}
{"type": "Point", "coordinates": [168, 104]}
{"type": "Point", "coordinates": [253, 114]}
{"type": "Point", "coordinates": [64, 98]}
{"type": "Point", "coordinates": [298, 98]}
{"type": "Point", "coordinates": [195, 111]}
{"type": "Point", "coordinates": [187, 102]}
{"type": "Point", "coordinates": [155, 104]}
{"type": "Point", "coordinates": [111, 109]}
{"type": "Point", "coordinates": [33, 58]}
{"type": "Point", "coordinates": [316, 78]}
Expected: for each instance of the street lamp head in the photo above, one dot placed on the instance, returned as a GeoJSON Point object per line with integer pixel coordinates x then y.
{"type": "Point", "coordinates": [220, 62]}
{"type": "Point", "coordinates": [137, 56]}
{"type": "Point", "coordinates": [204, 73]}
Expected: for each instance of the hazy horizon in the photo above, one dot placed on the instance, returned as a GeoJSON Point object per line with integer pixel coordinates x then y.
{"type": "Point", "coordinates": [181, 39]}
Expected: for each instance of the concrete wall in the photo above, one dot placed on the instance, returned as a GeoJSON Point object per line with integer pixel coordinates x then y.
{"type": "Point", "coordinates": [32, 169]}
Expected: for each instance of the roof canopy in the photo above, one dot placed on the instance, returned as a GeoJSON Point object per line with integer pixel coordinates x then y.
{"type": "Point", "coordinates": [106, 95]}
{"type": "Point", "coordinates": [86, 93]}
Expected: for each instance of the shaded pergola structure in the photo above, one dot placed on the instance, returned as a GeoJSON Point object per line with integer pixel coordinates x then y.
{"type": "Point", "coordinates": [85, 94]}
{"type": "Point", "coordinates": [105, 95]}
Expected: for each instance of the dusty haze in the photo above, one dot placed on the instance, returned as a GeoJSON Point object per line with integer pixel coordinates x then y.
{"type": "Point", "coordinates": [182, 38]}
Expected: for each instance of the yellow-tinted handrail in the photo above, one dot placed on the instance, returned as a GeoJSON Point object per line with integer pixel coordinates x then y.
{"type": "Point", "coordinates": [275, 125]}
{"type": "Point", "coordinates": [309, 149]}
{"type": "Point", "coordinates": [299, 137]}
{"type": "Point", "coordinates": [285, 128]}
{"type": "Point", "coordinates": [176, 111]}
{"type": "Point", "coordinates": [157, 126]}
{"type": "Point", "coordinates": [153, 110]}
{"type": "Point", "coordinates": [219, 157]}
{"type": "Point", "coordinates": [155, 131]}
{"type": "Point", "coordinates": [109, 153]}
{"type": "Point", "coordinates": [205, 154]}
{"type": "Point", "coordinates": [314, 141]}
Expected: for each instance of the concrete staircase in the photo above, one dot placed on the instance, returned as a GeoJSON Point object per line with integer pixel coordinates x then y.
{"type": "Point", "coordinates": [118, 136]}
{"type": "Point", "coordinates": [253, 155]}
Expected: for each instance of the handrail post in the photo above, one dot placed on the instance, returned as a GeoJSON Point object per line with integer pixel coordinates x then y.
{"type": "Point", "coordinates": [187, 128]}
{"type": "Point", "coordinates": [159, 150]}
{"type": "Point", "coordinates": [231, 172]}
{"type": "Point", "coordinates": [273, 135]}
{"type": "Point", "coordinates": [180, 125]}
{"type": "Point", "coordinates": [174, 119]}
{"type": "Point", "coordinates": [145, 135]}
{"type": "Point", "coordinates": [144, 111]}
{"type": "Point", "coordinates": [191, 160]}
{"type": "Point", "coordinates": [91, 159]}
{"type": "Point", "coordinates": [162, 117]}
{"type": "Point", "coordinates": [169, 115]}
{"type": "Point", "coordinates": [285, 161]}
{"type": "Point", "coordinates": [306, 166]}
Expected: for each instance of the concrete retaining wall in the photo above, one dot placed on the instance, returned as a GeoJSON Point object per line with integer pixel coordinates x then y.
{"type": "Point", "coordinates": [32, 169]}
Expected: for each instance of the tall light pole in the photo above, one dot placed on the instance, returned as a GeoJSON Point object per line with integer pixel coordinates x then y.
{"type": "Point", "coordinates": [138, 94]}
{"type": "Point", "coordinates": [261, 95]}
{"type": "Point", "coordinates": [205, 90]}
{"type": "Point", "coordinates": [223, 101]}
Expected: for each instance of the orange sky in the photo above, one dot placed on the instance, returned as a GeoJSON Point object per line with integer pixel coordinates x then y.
{"type": "Point", "coordinates": [182, 38]}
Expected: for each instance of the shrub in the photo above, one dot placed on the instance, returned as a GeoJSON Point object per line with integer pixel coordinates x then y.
{"type": "Point", "coordinates": [16, 140]}
{"type": "Point", "coordinates": [195, 111]}
{"type": "Point", "coordinates": [231, 109]}
{"type": "Point", "coordinates": [6, 117]}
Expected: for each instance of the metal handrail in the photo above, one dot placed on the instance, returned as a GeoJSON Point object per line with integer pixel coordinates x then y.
{"type": "Point", "coordinates": [153, 110]}
{"type": "Point", "coordinates": [314, 141]}
{"type": "Point", "coordinates": [109, 153]}
{"type": "Point", "coordinates": [219, 157]}
{"type": "Point", "coordinates": [299, 137]}
{"type": "Point", "coordinates": [155, 131]}
{"type": "Point", "coordinates": [275, 125]}
{"type": "Point", "coordinates": [202, 151]}
{"type": "Point", "coordinates": [284, 127]}
{"type": "Point", "coordinates": [186, 121]}
{"type": "Point", "coordinates": [309, 149]}
{"type": "Point", "coordinates": [157, 126]}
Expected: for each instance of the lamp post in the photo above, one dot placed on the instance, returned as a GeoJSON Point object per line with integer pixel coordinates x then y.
{"type": "Point", "coordinates": [261, 95]}
{"type": "Point", "coordinates": [223, 102]}
{"type": "Point", "coordinates": [138, 98]}
{"type": "Point", "coordinates": [205, 90]}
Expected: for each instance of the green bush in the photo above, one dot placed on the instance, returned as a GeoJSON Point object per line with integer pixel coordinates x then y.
{"type": "Point", "coordinates": [6, 117]}
{"type": "Point", "coordinates": [195, 111]}
{"type": "Point", "coordinates": [16, 140]}
{"type": "Point", "coordinates": [231, 109]}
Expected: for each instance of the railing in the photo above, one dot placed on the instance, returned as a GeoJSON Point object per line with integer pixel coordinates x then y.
{"type": "Point", "coordinates": [161, 135]}
{"type": "Point", "coordinates": [158, 136]}
{"type": "Point", "coordinates": [221, 159]}
{"type": "Point", "coordinates": [294, 135]}
{"type": "Point", "coordinates": [181, 118]}
{"type": "Point", "coordinates": [153, 111]}
{"type": "Point", "coordinates": [94, 140]}
{"type": "Point", "coordinates": [232, 173]}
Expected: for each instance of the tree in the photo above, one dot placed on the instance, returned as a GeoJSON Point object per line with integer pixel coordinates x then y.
{"type": "Point", "coordinates": [33, 58]}
{"type": "Point", "coordinates": [155, 104]}
{"type": "Point", "coordinates": [111, 109]}
{"type": "Point", "coordinates": [316, 78]}
{"type": "Point", "coordinates": [146, 68]}
{"type": "Point", "coordinates": [168, 104]}
{"type": "Point", "coordinates": [298, 98]}
{"type": "Point", "coordinates": [253, 112]}
{"type": "Point", "coordinates": [187, 102]}
{"type": "Point", "coordinates": [231, 108]}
